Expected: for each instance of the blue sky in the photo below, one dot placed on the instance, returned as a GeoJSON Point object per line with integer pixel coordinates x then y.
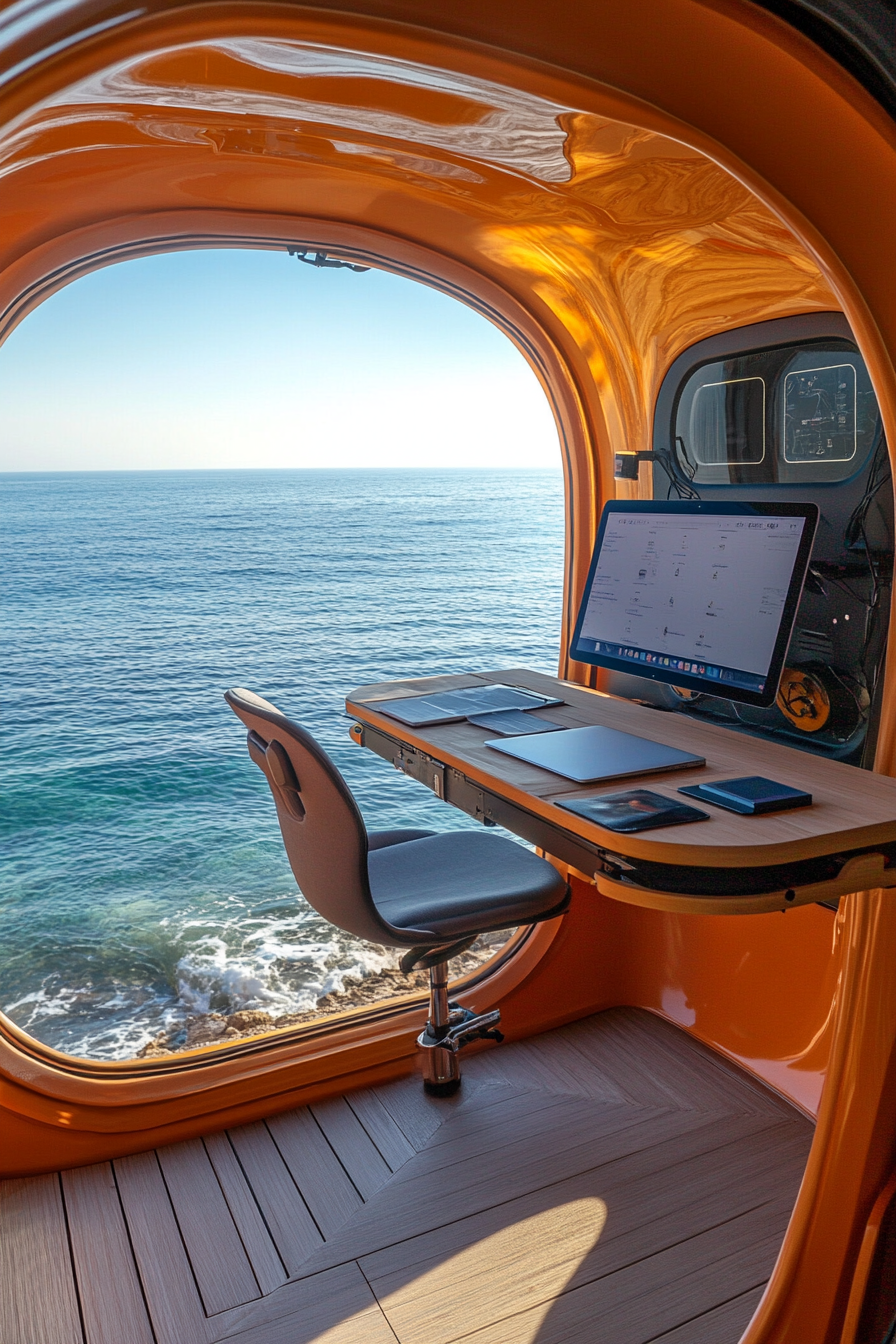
{"type": "Point", "coordinates": [237, 358]}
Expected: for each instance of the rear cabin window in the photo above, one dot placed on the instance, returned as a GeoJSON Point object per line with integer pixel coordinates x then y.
{"type": "Point", "coordinates": [788, 415]}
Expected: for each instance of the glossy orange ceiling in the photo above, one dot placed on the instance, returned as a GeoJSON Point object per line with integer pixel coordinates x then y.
{"type": "Point", "coordinates": [636, 243]}
{"type": "Point", "coordinates": [602, 246]}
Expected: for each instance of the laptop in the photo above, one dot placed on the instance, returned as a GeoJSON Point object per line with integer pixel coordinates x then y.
{"type": "Point", "coordinates": [590, 755]}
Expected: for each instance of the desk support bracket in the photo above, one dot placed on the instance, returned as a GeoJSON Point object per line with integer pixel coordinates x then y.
{"type": "Point", "coordinates": [862, 872]}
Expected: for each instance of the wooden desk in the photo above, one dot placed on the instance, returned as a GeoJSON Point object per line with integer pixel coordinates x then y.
{"type": "Point", "coordinates": [844, 842]}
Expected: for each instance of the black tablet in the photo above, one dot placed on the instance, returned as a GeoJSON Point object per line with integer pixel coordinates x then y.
{"type": "Point", "coordinates": [635, 810]}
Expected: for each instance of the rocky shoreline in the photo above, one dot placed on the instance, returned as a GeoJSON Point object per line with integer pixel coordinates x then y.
{"type": "Point", "coordinates": [217, 1029]}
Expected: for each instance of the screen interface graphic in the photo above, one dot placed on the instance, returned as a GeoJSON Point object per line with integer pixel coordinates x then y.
{"type": "Point", "coordinates": [820, 415]}
{"type": "Point", "coordinates": [701, 596]}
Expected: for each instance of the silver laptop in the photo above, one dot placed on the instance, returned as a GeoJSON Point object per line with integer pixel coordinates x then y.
{"type": "Point", "coordinates": [589, 755]}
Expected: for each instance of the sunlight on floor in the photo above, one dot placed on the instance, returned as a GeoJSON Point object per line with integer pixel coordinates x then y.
{"type": "Point", "coordinates": [464, 1287]}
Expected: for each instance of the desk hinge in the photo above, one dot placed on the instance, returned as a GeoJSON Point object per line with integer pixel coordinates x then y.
{"type": "Point", "coordinates": [469, 798]}
{"type": "Point", "coordinates": [613, 865]}
{"type": "Point", "coordinates": [417, 765]}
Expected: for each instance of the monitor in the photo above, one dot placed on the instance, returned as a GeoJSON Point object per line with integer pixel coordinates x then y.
{"type": "Point", "coordinates": [699, 594]}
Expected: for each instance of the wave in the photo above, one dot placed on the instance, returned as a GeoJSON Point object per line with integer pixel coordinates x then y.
{"type": "Point", "coordinates": [145, 879]}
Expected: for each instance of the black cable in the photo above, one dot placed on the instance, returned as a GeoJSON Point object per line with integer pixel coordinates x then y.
{"type": "Point", "coordinates": [683, 489]}
{"type": "Point", "coordinates": [856, 531]}
{"type": "Point", "coordinates": [857, 528]}
{"type": "Point", "coordinates": [691, 469]}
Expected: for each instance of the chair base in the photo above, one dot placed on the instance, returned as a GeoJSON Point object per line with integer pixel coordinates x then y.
{"type": "Point", "coordinates": [441, 1071]}
{"type": "Point", "coordinates": [449, 1029]}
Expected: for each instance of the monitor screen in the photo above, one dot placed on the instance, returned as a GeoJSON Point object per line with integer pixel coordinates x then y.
{"type": "Point", "coordinates": [699, 594]}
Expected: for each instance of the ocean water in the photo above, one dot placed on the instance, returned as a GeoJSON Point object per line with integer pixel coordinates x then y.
{"type": "Point", "coordinates": [143, 875]}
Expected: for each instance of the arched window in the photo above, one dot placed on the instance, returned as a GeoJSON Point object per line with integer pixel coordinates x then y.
{"type": "Point", "coordinates": [225, 467]}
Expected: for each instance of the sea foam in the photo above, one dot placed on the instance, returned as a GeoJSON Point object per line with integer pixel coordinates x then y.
{"type": "Point", "coordinates": [145, 879]}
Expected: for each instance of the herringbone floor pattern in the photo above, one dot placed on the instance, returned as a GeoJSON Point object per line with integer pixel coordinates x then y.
{"type": "Point", "coordinates": [609, 1183]}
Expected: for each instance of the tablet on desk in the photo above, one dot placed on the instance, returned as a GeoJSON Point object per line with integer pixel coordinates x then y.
{"type": "Point", "coordinates": [513, 723]}
{"type": "Point", "coordinates": [634, 810]}
{"type": "Point", "coordinates": [588, 755]}
{"type": "Point", "coordinates": [424, 711]}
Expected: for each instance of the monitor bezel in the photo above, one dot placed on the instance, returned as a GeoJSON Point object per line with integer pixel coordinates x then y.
{"type": "Point", "coordinates": [693, 508]}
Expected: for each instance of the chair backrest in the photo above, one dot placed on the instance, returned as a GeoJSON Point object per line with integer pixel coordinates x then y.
{"type": "Point", "coordinates": [323, 831]}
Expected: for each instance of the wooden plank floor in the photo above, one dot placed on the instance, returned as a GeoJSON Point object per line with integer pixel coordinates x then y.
{"type": "Point", "coordinates": [610, 1183]}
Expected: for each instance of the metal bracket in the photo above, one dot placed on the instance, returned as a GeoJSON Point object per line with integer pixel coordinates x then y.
{"type": "Point", "coordinates": [421, 767]}
{"type": "Point", "coordinates": [318, 258]}
{"type": "Point", "coordinates": [464, 1026]}
{"type": "Point", "coordinates": [861, 872]}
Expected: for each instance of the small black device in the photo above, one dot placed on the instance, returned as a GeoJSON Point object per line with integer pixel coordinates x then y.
{"type": "Point", "coordinates": [634, 810]}
{"type": "Point", "coordinates": [700, 595]}
{"type": "Point", "coordinates": [750, 795]}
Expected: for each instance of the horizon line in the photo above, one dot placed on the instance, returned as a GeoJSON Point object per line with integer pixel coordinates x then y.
{"type": "Point", "coordinates": [185, 471]}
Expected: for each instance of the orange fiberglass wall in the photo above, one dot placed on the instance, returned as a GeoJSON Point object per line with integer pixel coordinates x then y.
{"type": "Point", "coordinates": [609, 187]}
{"type": "Point", "coordinates": [604, 247]}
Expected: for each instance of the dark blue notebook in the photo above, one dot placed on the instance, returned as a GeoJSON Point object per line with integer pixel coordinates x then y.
{"type": "Point", "coordinates": [750, 795]}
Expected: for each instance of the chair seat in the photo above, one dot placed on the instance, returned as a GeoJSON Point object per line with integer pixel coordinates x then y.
{"type": "Point", "coordinates": [463, 882]}
{"type": "Point", "coordinates": [380, 839]}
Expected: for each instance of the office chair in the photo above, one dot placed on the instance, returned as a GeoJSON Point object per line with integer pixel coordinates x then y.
{"type": "Point", "coordinates": [431, 893]}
